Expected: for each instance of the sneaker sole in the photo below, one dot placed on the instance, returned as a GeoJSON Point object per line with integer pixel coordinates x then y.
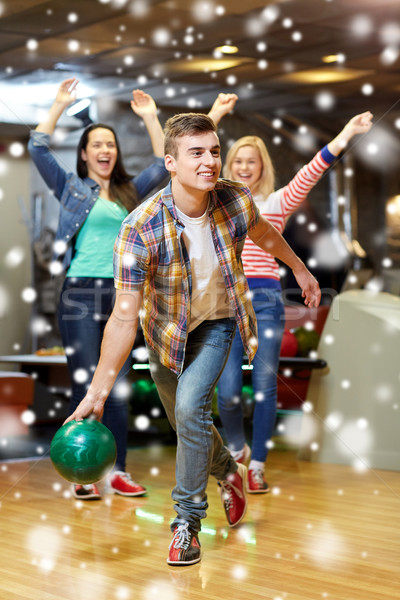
{"type": "Point", "coordinates": [258, 491]}
{"type": "Point", "coordinates": [243, 473]}
{"type": "Point", "coordinates": [183, 563]}
{"type": "Point", "coordinates": [127, 494]}
{"type": "Point", "coordinates": [86, 498]}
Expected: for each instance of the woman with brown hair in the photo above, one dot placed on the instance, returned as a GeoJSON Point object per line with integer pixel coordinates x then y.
{"type": "Point", "coordinates": [93, 204]}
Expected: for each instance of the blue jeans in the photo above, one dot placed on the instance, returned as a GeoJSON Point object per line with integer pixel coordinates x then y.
{"type": "Point", "coordinates": [85, 306]}
{"type": "Point", "coordinates": [187, 400]}
{"type": "Point", "coordinates": [269, 309]}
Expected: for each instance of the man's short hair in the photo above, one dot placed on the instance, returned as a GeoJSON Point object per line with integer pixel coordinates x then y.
{"type": "Point", "coordinates": [185, 124]}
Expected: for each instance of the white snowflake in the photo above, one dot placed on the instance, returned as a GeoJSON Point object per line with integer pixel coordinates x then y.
{"type": "Point", "coordinates": [203, 10]}
{"type": "Point", "coordinates": [73, 45]}
{"type": "Point", "coordinates": [81, 375]}
{"type": "Point", "coordinates": [325, 100]}
{"type": "Point", "coordinates": [161, 36]}
{"type": "Point", "coordinates": [367, 89]}
{"type": "Point", "coordinates": [32, 44]}
{"type": "Point", "coordinates": [28, 295]}
{"type": "Point", "coordinates": [16, 149]}
{"type": "Point", "coordinates": [139, 8]}
{"type": "Point", "coordinates": [270, 14]}
{"type": "Point", "coordinates": [361, 26]}
{"type": "Point", "coordinates": [40, 326]}
{"type": "Point", "coordinates": [142, 422]}
{"type": "Point", "coordinates": [14, 257]}
{"type": "Point", "coordinates": [28, 417]}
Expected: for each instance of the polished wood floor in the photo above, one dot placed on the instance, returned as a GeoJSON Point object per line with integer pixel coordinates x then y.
{"type": "Point", "coordinates": [325, 532]}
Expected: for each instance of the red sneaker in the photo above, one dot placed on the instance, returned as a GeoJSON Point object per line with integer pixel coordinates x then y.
{"type": "Point", "coordinates": [233, 495]}
{"type": "Point", "coordinates": [85, 492]}
{"type": "Point", "coordinates": [256, 483]}
{"type": "Point", "coordinates": [242, 456]}
{"type": "Point", "coordinates": [121, 483]}
{"type": "Point", "coordinates": [184, 548]}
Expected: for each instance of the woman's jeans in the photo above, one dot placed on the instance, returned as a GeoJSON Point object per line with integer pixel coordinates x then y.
{"type": "Point", "coordinates": [269, 309]}
{"type": "Point", "coordinates": [85, 306]}
{"type": "Point", "coordinates": [187, 400]}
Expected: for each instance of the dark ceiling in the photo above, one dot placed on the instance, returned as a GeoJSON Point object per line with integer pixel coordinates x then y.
{"type": "Point", "coordinates": [167, 47]}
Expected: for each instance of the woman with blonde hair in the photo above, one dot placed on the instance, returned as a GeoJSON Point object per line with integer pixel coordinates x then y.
{"type": "Point", "coordinates": [248, 161]}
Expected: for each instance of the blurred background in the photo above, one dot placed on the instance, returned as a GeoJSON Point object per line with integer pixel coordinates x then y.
{"type": "Point", "coordinates": [301, 69]}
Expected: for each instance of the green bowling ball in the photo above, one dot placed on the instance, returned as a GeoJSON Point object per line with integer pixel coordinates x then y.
{"type": "Point", "coordinates": [83, 451]}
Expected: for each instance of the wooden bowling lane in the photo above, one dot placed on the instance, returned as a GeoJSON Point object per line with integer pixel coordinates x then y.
{"type": "Point", "coordinates": [325, 532]}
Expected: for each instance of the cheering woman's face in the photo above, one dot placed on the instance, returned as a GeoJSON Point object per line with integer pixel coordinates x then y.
{"type": "Point", "coordinates": [247, 166]}
{"type": "Point", "coordinates": [100, 153]}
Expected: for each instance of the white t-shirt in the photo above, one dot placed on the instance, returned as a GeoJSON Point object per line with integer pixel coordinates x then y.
{"type": "Point", "coordinates": [209, 296]}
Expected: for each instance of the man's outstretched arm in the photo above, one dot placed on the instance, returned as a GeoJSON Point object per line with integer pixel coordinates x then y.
{"type": "Point", "coordinates": [269, 239]}
{"type": "Point", "coordinates": [118, 339]}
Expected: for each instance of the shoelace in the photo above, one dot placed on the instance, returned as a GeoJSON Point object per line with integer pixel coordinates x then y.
{"type": "Point", "coordinates": [126, 477]}
{"type": "Point", "coordinates": [226, 493]}
{"type": "Point", "coordinates": [258, 476]}
{"type": "Point", "coordinates": [181, 538]}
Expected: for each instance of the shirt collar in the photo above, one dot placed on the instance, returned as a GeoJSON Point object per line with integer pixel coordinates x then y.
{"type": "Point", "coordinates": [91, 182]}
{"type": "Point", "coordinates": [168, 200]}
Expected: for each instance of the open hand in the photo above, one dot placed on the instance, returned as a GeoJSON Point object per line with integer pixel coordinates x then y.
{"type": "Point", "coordinates": [89, 406]}
{"type": "Point", "coordinates": [66, 93]}
{"type": "Point", "coordinates": [143, 104]}
{"type": "Point", "coordinates": [310, 290]}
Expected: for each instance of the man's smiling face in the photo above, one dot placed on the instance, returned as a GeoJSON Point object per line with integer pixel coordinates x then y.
{"type": "Point", "coordinates": [197, 163]}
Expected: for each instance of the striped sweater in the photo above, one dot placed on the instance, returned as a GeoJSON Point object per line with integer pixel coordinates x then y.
{"type": "Point", "coordinates": [277, 207]}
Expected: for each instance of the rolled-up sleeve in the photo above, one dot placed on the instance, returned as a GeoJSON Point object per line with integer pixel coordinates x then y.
{"type": "Point", "coordinates": [254, 215]}
{"type": "Point", "coordinates": [131, 259]}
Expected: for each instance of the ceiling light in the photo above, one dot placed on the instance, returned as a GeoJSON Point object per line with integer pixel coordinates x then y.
{"type": "Point", "coordinates": [323, 75]}
{"type": "Point", "coordinates": [78, 106]}
{"type": "Point", "coordinates": [332, 58]}
{"type": "Point", "coordinates": [329, 58]}
{"type": "Point", "coordinates": [227, 49]}
{"type": "Point", "coordinates": [80, 110]}
{"type": "Point", "coordinates": [205, 65]}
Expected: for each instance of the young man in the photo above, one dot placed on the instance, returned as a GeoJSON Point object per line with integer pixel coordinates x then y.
{"type": "Point", "coordinates": [177, 266]}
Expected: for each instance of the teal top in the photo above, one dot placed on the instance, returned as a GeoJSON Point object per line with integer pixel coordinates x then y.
{"type": "Point", "coordinates": [94, 244]}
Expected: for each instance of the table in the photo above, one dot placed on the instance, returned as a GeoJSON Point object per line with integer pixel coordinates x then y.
{"type": "Point", "coordinates": [52, 383]}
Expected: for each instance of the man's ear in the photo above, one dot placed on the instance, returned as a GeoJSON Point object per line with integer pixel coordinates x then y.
{"type": "Point", "coordinates": [170, 163]}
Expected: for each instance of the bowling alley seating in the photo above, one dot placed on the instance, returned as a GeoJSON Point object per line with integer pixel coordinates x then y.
{"type": "Point", "coordinates": [16, 395]}
{"type": "Point", "coordinates": [294, 374]}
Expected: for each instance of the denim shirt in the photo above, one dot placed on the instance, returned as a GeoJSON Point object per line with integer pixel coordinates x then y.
{"type": "Point", "coordinates": [77, 196]}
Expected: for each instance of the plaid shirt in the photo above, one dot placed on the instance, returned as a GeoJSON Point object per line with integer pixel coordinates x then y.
{"type": "Point", "coordinates": [150, 256]}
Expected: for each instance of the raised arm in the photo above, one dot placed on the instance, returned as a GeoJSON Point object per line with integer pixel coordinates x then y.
{"type": "Point", "coordinates": [144, 106]}
{"type": "Point", "coordinates": [223, 105]}
{"type": "Point", "coordinates": [269, 239]}
{"type": "Point", "coordinates": [66, 95]}
{"type": "Point", "coordinates": [361, 123]}
{"type": "Point", "coordinates": [118, 339]}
